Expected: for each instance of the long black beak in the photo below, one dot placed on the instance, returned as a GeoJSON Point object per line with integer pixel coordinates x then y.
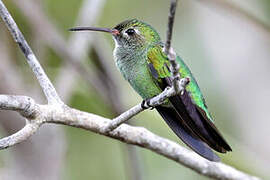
{"type": "Point", "coordinates": [108, 30]}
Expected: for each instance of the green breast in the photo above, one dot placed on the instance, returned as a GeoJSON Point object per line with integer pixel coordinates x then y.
{"type": "Point", "coordinates": [135, 71]}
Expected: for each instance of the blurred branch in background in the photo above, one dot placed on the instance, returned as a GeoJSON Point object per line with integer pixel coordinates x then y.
{"type": "Point", "coordinates": [230, 7]}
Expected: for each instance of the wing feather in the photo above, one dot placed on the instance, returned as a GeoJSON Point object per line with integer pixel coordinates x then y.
{"type": "Point", "coordinates": [190, 106]}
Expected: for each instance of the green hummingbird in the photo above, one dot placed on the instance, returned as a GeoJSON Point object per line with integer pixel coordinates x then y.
{"type": "Point", "coordinates": [139, 56]}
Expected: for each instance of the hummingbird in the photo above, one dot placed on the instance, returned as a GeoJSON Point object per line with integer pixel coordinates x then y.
{"type": "Point", "coordinates": [139, 56]}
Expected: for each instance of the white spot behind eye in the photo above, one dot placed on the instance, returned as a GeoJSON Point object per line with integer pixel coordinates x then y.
{"type": "Point", "coordinates": [137, 31]}
{"type": "Point", "coordinates": [125, 34]}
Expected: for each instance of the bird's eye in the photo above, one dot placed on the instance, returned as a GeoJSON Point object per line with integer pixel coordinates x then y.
{"type": "Point", "coordinates": [130, 32]}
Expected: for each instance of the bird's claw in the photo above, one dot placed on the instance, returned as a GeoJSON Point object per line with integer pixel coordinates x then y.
{"type": "Point", "coordinates": [146, 104]}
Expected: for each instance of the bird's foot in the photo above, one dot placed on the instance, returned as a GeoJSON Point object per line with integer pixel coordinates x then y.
{"type": "Point", "coordinates": [146, 104]}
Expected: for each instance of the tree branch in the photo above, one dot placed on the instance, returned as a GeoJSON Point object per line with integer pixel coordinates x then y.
{"type": "Point", "coordinates": [21, 104]}
{"type": "Point", "coordinates": [26, 107]}
{"type": "Point", "coordinates": [170, 25]}
{"type": "Point", "coordinates": [27, 131]}
{"type": "Point", "coordinates": [132, 135]}
{"type": "Point", "coordinates": [61, 114]}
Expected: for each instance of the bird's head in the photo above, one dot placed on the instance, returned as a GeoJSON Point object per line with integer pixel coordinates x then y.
{"type": "Point", "coordinates": [135, 34]}
{"type": "Point", "coordinates": [130, 34]}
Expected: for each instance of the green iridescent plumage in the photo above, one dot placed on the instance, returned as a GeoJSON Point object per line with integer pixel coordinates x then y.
{"type": "Point", "coordinates": [139, 57]}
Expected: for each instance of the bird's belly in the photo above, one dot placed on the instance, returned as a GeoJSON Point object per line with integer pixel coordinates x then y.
{"type": "Point", "coordinates": [144, 85]}
{"type": "Point", "coordinates": [141, 80]}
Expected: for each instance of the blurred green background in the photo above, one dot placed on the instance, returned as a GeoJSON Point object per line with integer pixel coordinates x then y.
{"type": "Point", "coordinates": [225, 43]}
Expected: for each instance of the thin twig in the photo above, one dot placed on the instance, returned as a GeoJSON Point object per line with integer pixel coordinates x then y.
{"type": "Point", "coordinates": [26, 107]}
{"type": "Point", "coordinates": [27, 131]}
{"type": "Point", "coordinates": [170, 25]}
{"type": "Point", "coordinates": [168, 50]}
{"type": "Point", "coordinates": [43, 80]}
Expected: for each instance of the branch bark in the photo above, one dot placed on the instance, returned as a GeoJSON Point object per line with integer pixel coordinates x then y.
{"type": "Point", "coordinates": [57, 112]}
{"type": "Point", "coordinates": [169, 50]}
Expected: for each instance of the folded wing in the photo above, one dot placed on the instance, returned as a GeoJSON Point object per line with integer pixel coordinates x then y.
{"type": "Point", "coordinates": [189, 120]}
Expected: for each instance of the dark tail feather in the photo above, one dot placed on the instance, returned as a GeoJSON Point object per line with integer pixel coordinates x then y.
{"type": "Point", "coordinates": [213, 130]}
{"type": "Point", "coordinates": [199, 123]}
{"type": "Point", "coordinates": [176, 123]}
